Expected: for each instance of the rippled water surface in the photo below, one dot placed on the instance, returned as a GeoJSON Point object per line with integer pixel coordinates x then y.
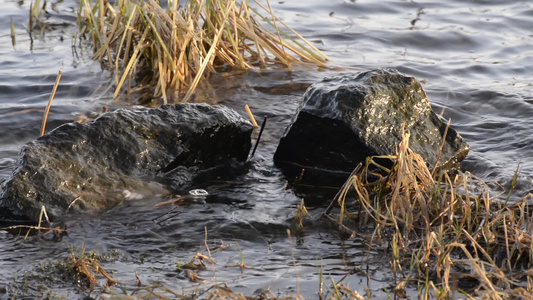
{"type": "Point", "coordinates": [475, 61]}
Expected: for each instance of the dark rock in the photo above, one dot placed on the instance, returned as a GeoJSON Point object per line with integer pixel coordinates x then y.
{"type": "Point", "coordinates": [343, 120]}
{"type": "Point", "coordinates": [87, 167]}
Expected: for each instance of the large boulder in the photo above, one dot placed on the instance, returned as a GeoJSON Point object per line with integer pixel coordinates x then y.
{"type": "Point", "coordinates": [87, 167]}
{"type": "Point", "coordinates": [343, 120]}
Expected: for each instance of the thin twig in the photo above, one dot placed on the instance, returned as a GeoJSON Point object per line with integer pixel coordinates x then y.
{"type": "Point", "coordinates": [259, 136]}
{"type": "Point", "coordinates": [251, 115]}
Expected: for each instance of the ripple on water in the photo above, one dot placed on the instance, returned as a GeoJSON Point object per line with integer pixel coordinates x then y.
{"type": "Point", "coordinates": [474, 60]}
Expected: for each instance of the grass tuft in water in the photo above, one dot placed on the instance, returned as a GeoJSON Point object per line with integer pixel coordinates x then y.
{"type": "Point", "coordinates": [447, 233]}
{"type": "Point", "coordinates": [173, 49]}
{"type": "Point", "coordinates": [36, 19]}
{"type": "Point", "coordinates": [87, 267]}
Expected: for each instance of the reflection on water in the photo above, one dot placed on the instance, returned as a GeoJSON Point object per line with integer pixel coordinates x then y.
{"type": "Point", "coordinates": [473, 57]}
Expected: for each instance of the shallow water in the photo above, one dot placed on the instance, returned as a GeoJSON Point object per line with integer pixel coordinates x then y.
{"type": "Point", "coordinates": [473, 57]}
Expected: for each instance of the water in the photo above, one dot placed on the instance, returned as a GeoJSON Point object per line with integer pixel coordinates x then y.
{"type": "Point", "coordinates": [473, 57]}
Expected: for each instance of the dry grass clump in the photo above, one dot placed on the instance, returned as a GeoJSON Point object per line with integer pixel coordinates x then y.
{"type": "Point", "coordinates": [88, 267]}
{"type": "Point", "coordinates": [174, 48]}
{"type": "Point", "coordinates": [447, 234]}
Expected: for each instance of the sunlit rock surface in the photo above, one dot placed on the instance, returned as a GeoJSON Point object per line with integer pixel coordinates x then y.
{"type": "Point", "coordinates": [343, 120]}
{"type": "Point", "coordinates": [87, 167]}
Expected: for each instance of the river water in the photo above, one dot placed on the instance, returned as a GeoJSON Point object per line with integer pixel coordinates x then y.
{"type": "Point", "coordinates": [475, 61]}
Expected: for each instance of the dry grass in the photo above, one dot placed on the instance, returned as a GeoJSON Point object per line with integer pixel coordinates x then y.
{"type": "Point", "coordinates": [173, 49]}
{"type": "Point", "coordinates": [42, 228]}
{"type": "Point", "coordinates": [47, 110]}
{"type": "Point", "coordinates": [442, 230]}
{"type": "Point", "coordinates": [88, 267]}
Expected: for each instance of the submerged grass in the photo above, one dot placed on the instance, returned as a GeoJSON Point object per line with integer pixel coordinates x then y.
{"type": "Point", "coordinates": [172, 49]}
{"type": "Point", "coordinates": [87, 273]}
{"type": "Point", "coordinates": [84, 271]}
{"type": "Point", "coordinates": [447, 233]}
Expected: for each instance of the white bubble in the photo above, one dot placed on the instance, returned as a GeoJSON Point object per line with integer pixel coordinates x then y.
{"type": "Point", "coordinates": [198, 193]}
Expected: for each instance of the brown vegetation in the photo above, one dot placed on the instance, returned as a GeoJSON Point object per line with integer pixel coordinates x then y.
{"type": "Point", "coordinates": [172, 49]}
{"type": "Point", "coordinates": [442, 230]}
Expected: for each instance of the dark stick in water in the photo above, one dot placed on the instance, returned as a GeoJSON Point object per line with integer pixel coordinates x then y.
{"type": "Point", "coordinates": [259, 136]}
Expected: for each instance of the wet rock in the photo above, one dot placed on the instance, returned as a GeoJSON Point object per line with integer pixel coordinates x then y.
{"type": "Point", "coordinates": [343, 120]}
{"type": "Point", "coordinates": [87, 167]}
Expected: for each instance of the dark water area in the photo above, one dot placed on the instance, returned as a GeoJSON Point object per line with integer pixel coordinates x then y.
{"type": "Point", "coordinates": [474, 59]}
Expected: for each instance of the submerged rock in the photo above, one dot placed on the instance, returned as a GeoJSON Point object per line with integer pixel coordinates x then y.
{"type": "Point", "coordinates": [79, 167]}
{"type": "Point", "coordinates": [343, 120]}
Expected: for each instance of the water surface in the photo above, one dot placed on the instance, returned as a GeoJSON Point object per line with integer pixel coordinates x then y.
{"type": "Point", "coordinates": [473, 57]}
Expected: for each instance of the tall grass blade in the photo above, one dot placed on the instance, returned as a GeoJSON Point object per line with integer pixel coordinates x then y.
{"type": "Point", "coordinates": [513, 184]}
{"type": "Point", "coordinates": [13, 39]}
{"type": "Point", "coordinates": [47, 110]}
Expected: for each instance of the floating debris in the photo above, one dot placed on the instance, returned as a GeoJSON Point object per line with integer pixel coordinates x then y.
{"type": "Point", "coordinates": [198, 193]}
